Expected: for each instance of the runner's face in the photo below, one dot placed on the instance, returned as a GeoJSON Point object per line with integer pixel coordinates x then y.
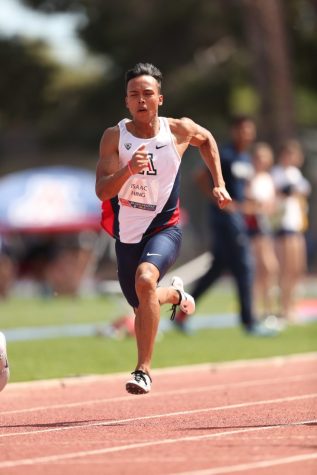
{"type": "Point", "coordinates": [143, 98]}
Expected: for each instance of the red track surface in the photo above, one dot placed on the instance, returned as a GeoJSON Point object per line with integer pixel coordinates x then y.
{"type": "Point", "coordinates": [255, 417]}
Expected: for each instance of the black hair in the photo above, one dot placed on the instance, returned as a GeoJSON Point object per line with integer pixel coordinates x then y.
{"type": "Point", "coordinates": [141, 69]}
{"type": "Point", "coordinates": [238, 119]}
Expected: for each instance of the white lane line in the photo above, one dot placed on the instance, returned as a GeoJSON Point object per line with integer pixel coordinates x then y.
{"type": "Point", "coordinates": [211, 387]}
{"type": "Point", "coordinates": [252, 466]}
{"type": "Point", "coordinates": [159, 416]}
{"type": "Point", "coordinates": [120, 448]}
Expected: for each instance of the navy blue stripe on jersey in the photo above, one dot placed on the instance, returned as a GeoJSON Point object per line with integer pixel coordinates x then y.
{"type": "Point", "coordinates": [115, 207]}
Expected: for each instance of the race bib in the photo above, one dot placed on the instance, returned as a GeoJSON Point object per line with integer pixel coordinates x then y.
{"type": "Point", "coordinates": [140, 192]}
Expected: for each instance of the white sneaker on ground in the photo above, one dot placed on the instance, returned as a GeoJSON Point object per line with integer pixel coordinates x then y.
{"type": "Point", "coordinates": [187, 302]}
{"type": "Point", "coordinates": [139, 384]}
{"type": "Point", "coordinates": [4, 365]}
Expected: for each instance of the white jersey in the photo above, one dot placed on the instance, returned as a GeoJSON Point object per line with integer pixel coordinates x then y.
{"type": "Point", "coordinates": [262, 188]}
{"type": "Point", "coordinates": [148, 201]}
{"type": "Point", "coordinates": [290, 214]}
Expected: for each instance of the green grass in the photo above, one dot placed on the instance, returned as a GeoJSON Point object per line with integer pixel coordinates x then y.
{"type": "Point", "coordinates": [78, 356]}
{"type": "Point", "coordinates": [63, 357]}
{"type": "Point", "coordinates": [56, 311]}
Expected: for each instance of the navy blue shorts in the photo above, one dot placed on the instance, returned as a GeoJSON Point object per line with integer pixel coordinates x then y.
{"type": "Point", "coordinates": [160, 249]}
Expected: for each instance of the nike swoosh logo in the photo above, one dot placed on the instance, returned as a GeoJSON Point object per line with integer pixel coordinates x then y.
{"type": "Point", "coordinates": [153, 254]}
{"type": "Point", "coordinates": [161, 146]}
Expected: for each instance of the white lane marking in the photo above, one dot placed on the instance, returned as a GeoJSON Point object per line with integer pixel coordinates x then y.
{"type": "Point", "coordinates": [211, 387]}
{"type": "Point", "coordinates": [251, 466]}
{"type": "Point", "coordinates": [158, 416]}
{"type": "Point", "coordinates": [138, 445]}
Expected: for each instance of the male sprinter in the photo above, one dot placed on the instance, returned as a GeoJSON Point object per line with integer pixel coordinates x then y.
{"type": "Point", "coordinates": [138, 182]}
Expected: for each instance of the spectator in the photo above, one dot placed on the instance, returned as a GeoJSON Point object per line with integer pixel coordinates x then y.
{"type": "Point", "coordinates": [261, 204]}
{"type": "Point", "coordinates": [290, 223]}
{"type": "Point", "coordinates": [7, 269]}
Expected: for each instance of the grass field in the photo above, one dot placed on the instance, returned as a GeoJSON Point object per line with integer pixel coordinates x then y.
{"type": "Point", "coordinates": [62, 357]}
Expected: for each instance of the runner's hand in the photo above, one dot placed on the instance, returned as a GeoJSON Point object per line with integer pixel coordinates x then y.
{"type": "Point", "coordinates": [222, 196]}
{"type": "Point", "coordinates": [139, 160]}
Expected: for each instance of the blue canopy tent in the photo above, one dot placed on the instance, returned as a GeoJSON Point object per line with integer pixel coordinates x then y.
{"type": "Point", "coordinates": [49, 200]}
{"type": "Point", "coordinates": [48, 209]}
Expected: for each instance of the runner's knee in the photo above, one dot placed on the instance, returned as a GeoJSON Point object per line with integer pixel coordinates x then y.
{"type": "Point", "coordinates": [146, 281]}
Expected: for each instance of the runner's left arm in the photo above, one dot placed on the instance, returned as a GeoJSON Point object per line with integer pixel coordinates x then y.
{"type": "Point", "coordinates": [186, 130]}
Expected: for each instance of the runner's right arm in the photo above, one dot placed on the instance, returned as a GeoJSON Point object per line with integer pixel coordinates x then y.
{"type": "Point", "coordinates": [109, 176]}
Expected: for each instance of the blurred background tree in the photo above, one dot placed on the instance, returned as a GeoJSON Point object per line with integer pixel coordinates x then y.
{"type": "Point", "coordinates": [218, 58]}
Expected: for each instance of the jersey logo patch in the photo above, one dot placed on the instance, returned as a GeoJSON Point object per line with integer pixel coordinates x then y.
{"type": "Point", "coordinates": [151, 170]}
{"type": "Point", "coordinates": [128, 145]}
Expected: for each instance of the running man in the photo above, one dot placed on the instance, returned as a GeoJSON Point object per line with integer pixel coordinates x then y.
{"type": "Point", "coordinates": [138, 182]}
{"type": "Point", "coordinates": [4, 365]}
